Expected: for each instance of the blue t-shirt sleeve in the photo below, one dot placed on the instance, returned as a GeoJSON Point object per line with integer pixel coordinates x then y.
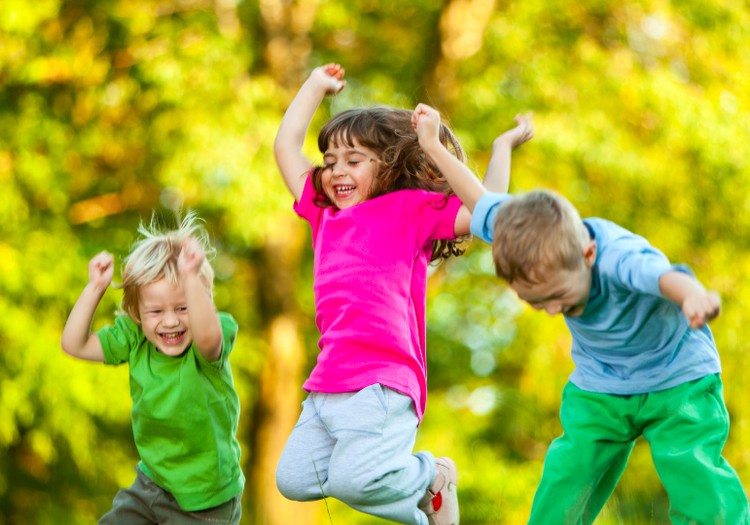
{"type": "Point", "coordinates": [485, 212]}
{"type": "Point", "coordinates": [639, 270]}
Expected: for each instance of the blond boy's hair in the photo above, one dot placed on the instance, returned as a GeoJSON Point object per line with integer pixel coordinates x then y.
{"type": "Point", "coordinates": [154, 256]}
{"type": "Point", "coordinates": [537, 232]}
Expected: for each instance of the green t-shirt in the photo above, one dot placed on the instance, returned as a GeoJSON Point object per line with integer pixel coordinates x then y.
{"type": "Point", "coordinates": [185, 414]}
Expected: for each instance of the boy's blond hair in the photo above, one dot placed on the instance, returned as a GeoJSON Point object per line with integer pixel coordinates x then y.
{"type": "Point", "coordinates": [535, 233]}
{"type": "Point", "coordinates": [154, 256]}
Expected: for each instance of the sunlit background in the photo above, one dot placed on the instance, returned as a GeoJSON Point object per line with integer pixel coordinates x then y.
{"type": "Point", "coordinates": [110, 109]}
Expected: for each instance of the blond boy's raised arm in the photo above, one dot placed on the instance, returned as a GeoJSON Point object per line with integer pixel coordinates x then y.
{"type": "Point", "coordinates": [77, 339]}
{"type": "Point", "coordinates": [204, 320]}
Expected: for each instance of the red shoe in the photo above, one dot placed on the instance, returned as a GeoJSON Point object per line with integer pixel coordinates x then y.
{"type": "Point", "coordinates": [440, 503]}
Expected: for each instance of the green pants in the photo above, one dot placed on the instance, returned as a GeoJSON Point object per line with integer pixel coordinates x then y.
{"type": "Point", "coordinates": [686, 427]}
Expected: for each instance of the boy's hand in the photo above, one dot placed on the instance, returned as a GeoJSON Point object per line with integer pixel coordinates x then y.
{"type": "Point", "coordinates": [330, 77]}
{"type": "Point", "coordinates": [101, 269]}
{"type": "Point", "coordinates": [523, 132]}
{"type": "Point", "coordinates": [191, 257]}
{"type": "Point", "coordinates": [701, 308]}
{"type": "Point", "coordinates": [426, 122]}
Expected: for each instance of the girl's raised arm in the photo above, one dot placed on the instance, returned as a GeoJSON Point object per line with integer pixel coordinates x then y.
{"type": "Point", "coordinates": [292, 162]}
{"type": "Point", "coordinates": [497, 178]}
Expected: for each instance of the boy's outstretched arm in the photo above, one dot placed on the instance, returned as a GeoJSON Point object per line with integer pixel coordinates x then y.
{"type": "Point", "coordinates": [698, 305]}
{"type": "Point", "coordinates": [77, 338]}
{"type": "Point", "coordinates": [497, 178]}
{"type": "Point", "coordinates": [426, 122]}
{"type": "Point", "coordinates": [292, 162]}
{"type": "Point", "coordinates": [204, 321]}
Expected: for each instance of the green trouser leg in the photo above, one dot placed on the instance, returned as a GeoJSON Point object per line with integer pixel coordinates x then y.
{"type": "Point", "coordinates": [606, 486]}
{"type": "Point", "coordinates": [686, 427]}
{"type": "Point", "coordinates": [583, 465]}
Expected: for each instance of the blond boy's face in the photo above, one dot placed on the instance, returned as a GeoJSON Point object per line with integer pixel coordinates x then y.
{"type": "Point", "coordinates": [560, 291]}
{"type": "Point", "coordinates": [164, 319]}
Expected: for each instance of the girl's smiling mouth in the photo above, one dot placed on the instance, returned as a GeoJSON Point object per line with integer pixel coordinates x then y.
{"type": "Point", "coordinates": [343, 190]}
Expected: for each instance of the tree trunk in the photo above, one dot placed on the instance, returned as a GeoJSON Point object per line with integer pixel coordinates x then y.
{"type": "Point", "coordinates": [279, 390]}
{"type": "Point", "coordinates": [462, 27]}
{"type": "Point", "coordinates": [287, 46]}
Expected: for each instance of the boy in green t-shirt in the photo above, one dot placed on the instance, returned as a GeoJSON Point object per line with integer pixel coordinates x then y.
{"type": "Point", "coordinates": [185, 408]}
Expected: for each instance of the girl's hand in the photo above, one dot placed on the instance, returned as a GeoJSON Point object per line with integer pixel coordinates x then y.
{"type": "Point", "coordinates": [426, 122]}
{"type": "Point", "coordinates": [101, 269]}
{"type": "Point", "coordinates": [191, 257]}
{"type": "Point", "coordinates": [330, 77]}
{"type": "Point", "coordinates": [523, 132]}
{"type": "Point", "coordinates": [701, 308]}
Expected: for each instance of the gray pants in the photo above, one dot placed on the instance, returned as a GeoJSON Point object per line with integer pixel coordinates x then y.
{"type": "Point", "coordinates": [145, 503]}
{"type": "Point", "coordinates": [357, 447]}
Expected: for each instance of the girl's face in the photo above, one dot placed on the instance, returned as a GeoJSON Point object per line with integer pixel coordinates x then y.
{"type": "Point", "coordinates": [348, 173]}
{"type": "Point", "coordinates": [164, 319]}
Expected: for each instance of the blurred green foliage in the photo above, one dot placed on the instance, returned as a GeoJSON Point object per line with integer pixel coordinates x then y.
{"type": "Point", "coordinates": [110, 109]}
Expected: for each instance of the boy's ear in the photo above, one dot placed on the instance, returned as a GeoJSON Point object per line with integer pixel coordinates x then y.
{"type": "Point", "coordinates": [589, 253]}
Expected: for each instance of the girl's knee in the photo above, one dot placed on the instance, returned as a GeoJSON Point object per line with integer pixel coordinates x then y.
{"type": "Point", "coordinates": [292, 486]}
{"type": "Point", "coordinates": [286, 485]}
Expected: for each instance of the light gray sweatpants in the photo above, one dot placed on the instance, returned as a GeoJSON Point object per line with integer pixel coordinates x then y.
{"type": "Point", "coordinates": [357, 447]}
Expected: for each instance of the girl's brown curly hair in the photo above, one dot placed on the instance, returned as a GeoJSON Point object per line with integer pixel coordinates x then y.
{"type": "Point", "coordinates": [403, 165]}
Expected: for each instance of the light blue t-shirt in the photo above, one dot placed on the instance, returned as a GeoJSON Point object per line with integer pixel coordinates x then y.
{"type": "Point", "coordinates": [629, 338]}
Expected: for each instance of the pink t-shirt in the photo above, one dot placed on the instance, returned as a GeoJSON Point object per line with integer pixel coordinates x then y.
{"type": "Point", "coordinates": [370, 283]}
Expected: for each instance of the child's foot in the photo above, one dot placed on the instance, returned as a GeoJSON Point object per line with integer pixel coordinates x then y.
{"type": "Point", "coordinates": [440, 503]}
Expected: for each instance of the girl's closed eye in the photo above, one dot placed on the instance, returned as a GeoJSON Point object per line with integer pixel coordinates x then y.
{"type": "Point", "coordinates": [329, 165]}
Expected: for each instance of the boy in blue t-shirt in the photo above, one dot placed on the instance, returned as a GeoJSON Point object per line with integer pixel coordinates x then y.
{"type": "Point", "coordinates": [646, 362]}
{"type": "Point", "coordinates": [185, 408]}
